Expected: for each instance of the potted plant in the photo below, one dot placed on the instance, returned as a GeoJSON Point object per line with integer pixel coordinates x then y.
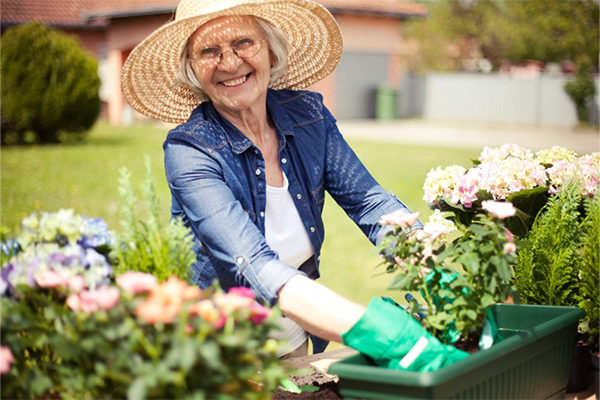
{"type": "Point", "coordinates": [497, 200]}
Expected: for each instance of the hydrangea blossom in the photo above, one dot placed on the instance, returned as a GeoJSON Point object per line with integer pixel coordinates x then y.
{"type": "Point", "coordinates": [509, 169]}
{"type": "Point", "coordinates": [556, 153]}
{"type": "Point", "coordinates": [585, 168]}
{"type": "Point", "coordinates": [440, 183]}
{"type": "Point", "coordinates": [57, 247]}
{"type": "Point", "coordinates": [498, 154]}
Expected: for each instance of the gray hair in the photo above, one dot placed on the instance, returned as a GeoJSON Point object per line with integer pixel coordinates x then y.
{"type": "Point", "coordinates": [278, 50]}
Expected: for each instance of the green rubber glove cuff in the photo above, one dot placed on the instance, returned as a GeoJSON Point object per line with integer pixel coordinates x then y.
{"type": "Point", "coordinates": [386, 333]}
{"type": "Point", "coordinates": [381, 325]}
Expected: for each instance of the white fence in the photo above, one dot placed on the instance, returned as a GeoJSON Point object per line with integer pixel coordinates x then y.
{"type": "Point", "coordinates": [538, 100]}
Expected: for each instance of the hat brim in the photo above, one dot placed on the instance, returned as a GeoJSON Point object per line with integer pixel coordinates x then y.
{"type": "Point", "coordinates": [148, 76]}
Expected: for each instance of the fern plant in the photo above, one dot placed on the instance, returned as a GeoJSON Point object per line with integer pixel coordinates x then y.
{"type": "Point", "coordinates": [547, 268]}
{"type": "Point", "coordinates": [590, 269]}
{"type": "Point", "coordinates": [144, 244]}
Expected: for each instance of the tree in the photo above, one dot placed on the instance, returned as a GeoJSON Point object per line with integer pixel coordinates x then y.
{"type": "Point", "coordinates": [49, 84]}
{"type": "Point", "coordinates": [543, 30]}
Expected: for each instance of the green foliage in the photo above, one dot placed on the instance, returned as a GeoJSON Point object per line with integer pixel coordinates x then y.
{"type": "Point", "coordinates": [144, 245]}
{"type": "Point", "coordinates": [68, 332]}
{"type": "Point", "coordinates": [547, 269]}
{"type": "Point", "coordinates": [581, 90]}
{"type": "Point", "coordinates": [49, 84]}
{"type": "Point", "coordinates": [115, 354]}
{"type": "Point", "coordinates": [589, 289]}
{"type": "Point", "coordinates": [454, 302]}
{"type": "Point", "coordinates": [544, 30]}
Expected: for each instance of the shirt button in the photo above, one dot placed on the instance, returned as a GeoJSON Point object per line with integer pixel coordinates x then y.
{"type": "Point", "coordinates": [298, 196]}
{"type": "Point", "coordinates": [255, 151]}
{"type": "Point", "coordinates": [283, 160]}
{"type": "Point", "coordinates": [312, 229]}
{"type": "Point", "coordinates": [262, 214]}
{"type": "Point", "coordinates": [257, 172]}
{"type": "Point", "coordinates": [240, 260]}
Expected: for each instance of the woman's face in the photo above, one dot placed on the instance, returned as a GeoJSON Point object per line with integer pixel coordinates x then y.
{"type": "Point", "coordinates": [233, 83]}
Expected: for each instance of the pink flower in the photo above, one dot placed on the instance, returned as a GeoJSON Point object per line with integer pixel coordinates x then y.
{"type": "Point", "coordinates": [241, 291]}
{"type": "Point", "coordinates": [137, 282]}
{"type": "Point", "coordinates": [258, 313]}
{"type": "Point", "coordinates": [73, 302]}
{"type": "Point", "coordinates": [510, 248]}
{"type": "Point", "coordinates": [107, 297]}
{"type": "Point", "coordinates": [6, 358]}
{"type": "Point", "coordinates": [48, 278]}
{"type": "Point", "coordinates": [499, 209]}
{"type": "Point", "coordinates": [400, 218]}
{"type": "Point", "coordinates": [232, 302]}
{"type": "Point", "coordinates": [77, 283]}
{"type": "Point", "coordinates": [90, 301]}
{"type": "Point", "coordinates": [509, 235]}
{"type": "Point", "coordinates": [153, 311]}
{"type": "Point", "coordinates": [206, 310]}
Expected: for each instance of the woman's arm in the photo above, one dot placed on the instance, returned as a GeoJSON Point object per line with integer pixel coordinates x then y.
{"type": "Point", "coordinates": [317, 309]}
{"type": "Point", "coordinates": [237, 248]}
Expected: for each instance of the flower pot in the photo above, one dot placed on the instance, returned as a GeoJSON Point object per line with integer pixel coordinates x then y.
{"type": "Point", "coordinates": [581, 369]}
{"type": "Point", "coordinates": [595, 373]}
{"type": "Point", "coordinates": [532, 362]}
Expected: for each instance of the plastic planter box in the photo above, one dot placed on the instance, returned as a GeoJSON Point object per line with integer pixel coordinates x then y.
{"type": "Point", "coordinates": [533, 362]}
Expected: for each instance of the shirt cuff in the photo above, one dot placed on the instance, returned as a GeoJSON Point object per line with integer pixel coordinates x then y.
{"type": "Point", "coordinates": [269, 279]}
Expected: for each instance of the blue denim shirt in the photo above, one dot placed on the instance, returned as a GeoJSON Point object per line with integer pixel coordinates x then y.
{"type": "Point", "coordinates": [217, 180]}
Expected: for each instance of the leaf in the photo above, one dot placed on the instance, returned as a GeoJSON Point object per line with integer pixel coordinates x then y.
{"type": "Point", "coordinates": [41, 384]}
{"type": "Point", "coordinates": [400, 282]}
{"type": "Point", "coordinates": [138, 389]}
{"type": "Point", "coordinates": [487, 300]}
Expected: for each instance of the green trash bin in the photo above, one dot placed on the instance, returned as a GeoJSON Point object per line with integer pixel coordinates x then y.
{"type": "Point", "coordinates": [385, 103]}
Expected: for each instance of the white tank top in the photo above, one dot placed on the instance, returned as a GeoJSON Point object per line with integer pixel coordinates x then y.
{"type": "Point", "coordinates": [286, 235]}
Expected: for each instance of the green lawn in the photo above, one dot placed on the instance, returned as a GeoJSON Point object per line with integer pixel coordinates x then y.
{"type": "Point", "coordinates": [84, 177]}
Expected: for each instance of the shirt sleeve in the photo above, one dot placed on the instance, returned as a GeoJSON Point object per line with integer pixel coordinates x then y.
{"type": "Point", "coordinates": [236, 247]}
{"type": "Point", "coordinates": [354, 188]}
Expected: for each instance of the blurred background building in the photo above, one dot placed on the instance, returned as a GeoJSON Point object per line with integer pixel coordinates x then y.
{"type": "Point", "coordinates": [491, 61]}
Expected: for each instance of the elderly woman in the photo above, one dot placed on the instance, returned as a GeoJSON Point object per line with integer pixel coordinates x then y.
{"type": "Point", "coordinates": [250, 162]}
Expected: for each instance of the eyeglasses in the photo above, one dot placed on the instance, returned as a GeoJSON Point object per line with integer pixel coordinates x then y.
{"type": "Point", "coordinates": [245, 47]}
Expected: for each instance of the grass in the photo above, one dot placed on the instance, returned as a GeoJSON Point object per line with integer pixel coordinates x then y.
{"type": "Point", "coordinates": [84, 177]}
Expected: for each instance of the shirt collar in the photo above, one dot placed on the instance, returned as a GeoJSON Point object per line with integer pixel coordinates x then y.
{"type": "Point", "coordinates": [239, 142]}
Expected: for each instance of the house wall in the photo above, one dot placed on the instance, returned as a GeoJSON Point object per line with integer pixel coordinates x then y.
{"type": "Point", "coordinates": [93, 41]}
{"type": "Point", "coordinates": [371, 58]}
{"type": "Point", "coordinates": [122, 36]}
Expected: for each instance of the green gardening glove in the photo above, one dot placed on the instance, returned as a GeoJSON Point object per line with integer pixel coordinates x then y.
{"type": "Point", "coordinates": [395, 340]}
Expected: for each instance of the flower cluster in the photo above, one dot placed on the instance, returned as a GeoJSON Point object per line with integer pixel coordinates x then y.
{"type": "Point", "coordinates": [57, 249]}
{"type": "Point", "coordinates": [509, 169]}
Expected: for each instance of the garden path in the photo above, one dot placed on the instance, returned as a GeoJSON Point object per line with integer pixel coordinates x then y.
{"type": "Point", "coordinates": [472, 134]}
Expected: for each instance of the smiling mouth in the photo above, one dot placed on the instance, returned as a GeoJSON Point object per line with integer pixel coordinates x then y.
{"type": "Point", "coordinates": [236, 81]}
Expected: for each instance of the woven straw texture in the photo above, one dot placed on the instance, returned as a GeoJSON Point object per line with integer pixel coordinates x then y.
{"type": "Point", "coordinates": [148, 76]}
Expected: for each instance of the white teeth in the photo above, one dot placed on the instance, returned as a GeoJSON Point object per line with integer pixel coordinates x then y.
{"type": "Point", "coordinates": [234, 82]}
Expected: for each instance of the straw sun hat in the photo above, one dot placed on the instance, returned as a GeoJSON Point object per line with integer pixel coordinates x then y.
{"type": "Point", "coordinates": [148, 76]}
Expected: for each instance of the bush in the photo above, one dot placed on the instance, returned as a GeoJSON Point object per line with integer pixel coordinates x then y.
{"type": "Point", "coordinates": [49, 84]}
{"type": "Point", "coordinates": [69, 332]}
{"type": "Point", "coordinates": [581, 90]}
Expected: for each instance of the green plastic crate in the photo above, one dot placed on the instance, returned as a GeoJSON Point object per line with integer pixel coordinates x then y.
{"type": "Point", "coordinates": [533, 362]}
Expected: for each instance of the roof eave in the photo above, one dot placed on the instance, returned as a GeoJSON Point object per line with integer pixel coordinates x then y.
{"type": "Point", "coordinates": [375, 13]}
{"type": "Point", "coordinates": [134, 12]}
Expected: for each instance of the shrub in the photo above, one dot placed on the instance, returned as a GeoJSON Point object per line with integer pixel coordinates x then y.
{"type": "Point", "coordinates": [590, 270]}
{"type": "Point", "coordinates": [547, 269]}
{"type": "Point", "coordinates": [144, 244]}
{"type": "Point", "coordinates": [49, 84]}
{"type": "Point", "coordinates": [581, 90]}
{"type": "Point", "coordinates": [69, 332]}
